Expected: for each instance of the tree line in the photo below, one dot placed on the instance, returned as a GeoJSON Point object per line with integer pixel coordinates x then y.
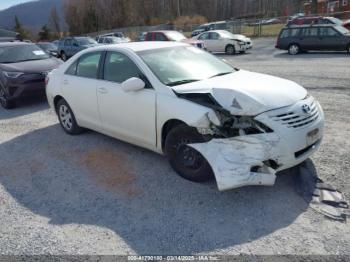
{"type": "Point", "coordinates": [85, 16]}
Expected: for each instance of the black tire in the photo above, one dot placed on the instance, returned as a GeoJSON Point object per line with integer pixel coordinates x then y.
{"type": "Point", "coordinates": [230, 50]}
{"type": "Point", "coordinates": [64, 56]}
{"type": "Point", "coordinates": [294, 49]}
{"type": "Point", "coordinates": [5, 102]}
{"type": "Point", "coordinates": [185, 160]}
{"type": "Point", "coordinates": [67, 118]}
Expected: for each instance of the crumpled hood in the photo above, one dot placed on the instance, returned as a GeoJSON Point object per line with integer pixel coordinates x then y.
{"type": "Point", "coordinates": [247, 93]}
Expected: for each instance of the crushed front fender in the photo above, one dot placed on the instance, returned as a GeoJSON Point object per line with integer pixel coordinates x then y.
{"type": "Point", "coordinates": [240, 161]}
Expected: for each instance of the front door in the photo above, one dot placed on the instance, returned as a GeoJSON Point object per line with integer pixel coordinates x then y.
{"type": "Point", "coordinates": [130, 116]}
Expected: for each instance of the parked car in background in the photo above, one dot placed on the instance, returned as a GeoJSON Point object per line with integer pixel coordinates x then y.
{"type": "Point", "coordinates": [346, 24]}
{"type": "Point", "coordinates": [69, 46]}
{"type": "Point", "coordinates": [172, 36]}
{"type": "Point", "coordinates": [120, 35]}
{"type": "Point", "coordinates": [109, 40]}
{"type": "Point", "coordinates": [49, 48]}
{"type": "Point", "coordinates": [23, 69]}
{"type": "Point", "coordinates": [55, 43]}
{"type": "Point", "coordinates": [312, 20]}
{"type": "Point", "coordinates": [221, 25]}
{"type": "Point", "coordinates": [142, 36]}
{"type": "Point", "coordinates": [208, 118]}
{"type": "Point", "coordinates": [221, 41]}
{"type": "Point", "coordinates": [315, 37]}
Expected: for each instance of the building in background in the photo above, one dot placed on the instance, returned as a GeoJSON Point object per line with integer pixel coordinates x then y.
{"type": "Point", "coordinates": [328, 6]}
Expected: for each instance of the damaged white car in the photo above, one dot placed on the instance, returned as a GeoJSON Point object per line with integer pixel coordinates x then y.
{"type": "Point", "coordinates": [207, 117]}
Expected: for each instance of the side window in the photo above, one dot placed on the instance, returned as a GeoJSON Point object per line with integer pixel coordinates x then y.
{"type": "Point", "coordinates": [72, 70]}
{"type": "Point", "coordinates": [148, 37]}
{"type": "Point", "coordinates": [68, 42]}
{"type": "Point", "coordinates": [118, 68]}
{"type": "Point", "coordinates": [88, 65]}
{"type": "Point", "coordinates": [285, 33]}
{"type": "Point", "coordinates": [214, 36]}
{"type": "Point", "coordinates": [310, 32]}
{"type": "Point", "coordinates": [204, 36]}
{"type": "Point", "coordinates": [328, 32]}
{"type": "Point", "coordinates": [160, 37]}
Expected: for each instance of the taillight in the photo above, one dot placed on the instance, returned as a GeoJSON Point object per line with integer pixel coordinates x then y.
{"type": "Point", "coordinates": [47, 80]}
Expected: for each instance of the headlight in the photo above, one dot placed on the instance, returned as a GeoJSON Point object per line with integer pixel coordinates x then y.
{"type": "Point", "coordinates": [12, 74]}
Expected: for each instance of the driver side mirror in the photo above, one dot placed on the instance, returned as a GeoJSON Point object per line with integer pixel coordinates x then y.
{"type": "Point", "coordinates": [133, 84]}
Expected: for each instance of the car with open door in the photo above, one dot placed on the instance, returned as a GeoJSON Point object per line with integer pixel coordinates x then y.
{"type": "Point", "coordinates": [221, 41]}
{"type": "Point", "coordinates": [207, 117]}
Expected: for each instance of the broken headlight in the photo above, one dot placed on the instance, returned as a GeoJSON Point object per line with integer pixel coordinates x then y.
{"type": "Point", "coordinates": [232, 126]}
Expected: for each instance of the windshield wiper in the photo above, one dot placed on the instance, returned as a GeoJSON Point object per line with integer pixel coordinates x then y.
{"type": "Point", "coordinates": [221, 74]}
{"type": "Point", "coordinates": [182, 82]}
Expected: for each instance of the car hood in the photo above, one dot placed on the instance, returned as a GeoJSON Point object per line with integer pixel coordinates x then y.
{"type": "Point", "coordinates": [192, 41]}
{"type": "Point", "coordinates": [36, 66]}
{"type": "Point", "coordinates": [241, 37]}
{"type": "Point", "coordinates": [247, 93]}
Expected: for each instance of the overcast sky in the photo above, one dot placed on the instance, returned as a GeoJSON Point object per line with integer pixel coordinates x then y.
{"type": "Point", "coordinates": [7, 3]}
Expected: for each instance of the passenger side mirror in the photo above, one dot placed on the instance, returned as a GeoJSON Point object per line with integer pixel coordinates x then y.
{"type": "Point", "coordinates": [133, 84]}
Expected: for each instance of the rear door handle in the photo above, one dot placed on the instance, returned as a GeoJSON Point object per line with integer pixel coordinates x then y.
{"type": "Point", "coordinates": [102, 90]}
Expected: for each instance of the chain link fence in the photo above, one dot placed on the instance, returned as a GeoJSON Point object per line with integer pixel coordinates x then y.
{"type": "Point", "coordinates": [250, 27]}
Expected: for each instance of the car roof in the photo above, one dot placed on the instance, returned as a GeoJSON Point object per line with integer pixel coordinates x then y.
{"type": "Point", "coordinates": [307, 26]}
{"type": "Point", "coordinates": [139, 46]}
{"type": "Point", "coordinates": [3, 44]}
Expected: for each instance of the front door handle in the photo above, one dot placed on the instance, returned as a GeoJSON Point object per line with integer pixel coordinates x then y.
{"type": "Point", "coordinates": [65, 82]}
{"type": "Point", "coordinates": [102, 90]}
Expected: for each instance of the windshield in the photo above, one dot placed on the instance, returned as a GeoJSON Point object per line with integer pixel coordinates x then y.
{"type": "Point", "coordinates": [176, 36]}
{"type": "Point", "coordinates": [335, 20]}
{"type": "Point", "coordinates": [184, 64]}
{"type": "Point", "coordinates": [227, 34]}
{"type": "Point", "coordinates": [342, 30]}
{"type": "Point", "coordinates": [21, 53]}
{"type": "Point", "coordinates": [86, 41]}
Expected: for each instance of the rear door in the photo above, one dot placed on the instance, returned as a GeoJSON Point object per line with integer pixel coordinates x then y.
{"type": "Point", "coordinates": [309, 39]}
{"type": "Point", "coordinates": [79, 89]}
{"type": "Point", "coordinates": [205, 38]}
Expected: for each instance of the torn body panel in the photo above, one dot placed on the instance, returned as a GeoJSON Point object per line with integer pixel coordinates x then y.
{"type": "Point", "coordinates": [241, 161]}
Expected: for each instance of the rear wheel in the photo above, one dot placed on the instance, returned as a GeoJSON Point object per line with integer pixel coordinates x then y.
{"type": "Point", "coordinates": [67, 118]}
{"type": "Point", "coordinates": [64, 56]}
{"type": "Point", "coordinates": [185, 160]}
{"type": "Point", "coordinates": [4, 101]}
{"type": "Point", "coordinates": [294, 49]}
{"type": "Point", "coordinates": [230, 50]}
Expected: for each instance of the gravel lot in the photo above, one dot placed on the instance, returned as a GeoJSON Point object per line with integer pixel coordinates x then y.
{"type": "Point", "coordinates": [92, 194]}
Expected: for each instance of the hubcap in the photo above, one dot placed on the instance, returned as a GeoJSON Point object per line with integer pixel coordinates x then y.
{"type": "Point", "coordinates": [230, 49]}
{"type": "Point", "coordinates": [65, 117]}
{"type": "Point", "coordinates": [187, 156]}
{"type": "Point", "coordinates": [294, 49]}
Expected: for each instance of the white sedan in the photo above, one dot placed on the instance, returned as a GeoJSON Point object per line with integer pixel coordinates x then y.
{"type": "Point", "coordinates": [222, 41]}
{"type": "Point", "coordinates": [208, 118]}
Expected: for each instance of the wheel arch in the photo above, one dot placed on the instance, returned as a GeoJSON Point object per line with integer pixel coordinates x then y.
{"type": "Point", "coordinates": [56, 100]}
{"type": "Point", "coordinates": [167, 127]}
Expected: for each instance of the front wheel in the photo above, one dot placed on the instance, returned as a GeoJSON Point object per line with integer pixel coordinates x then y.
{"type": "Point", "coordinates": [230, 50]}
{"type": "Point", "coordinates": [5, 102]}
{"type": "Point", "coordinates": [185, 160]}
{"type": "Point", "coordinates": [67, 118]}
{"type": "Point", "coordinates": [294, 49]}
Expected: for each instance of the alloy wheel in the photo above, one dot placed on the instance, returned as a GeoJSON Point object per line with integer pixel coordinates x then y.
{"type": "Point", "coordinates": [66, 117]}
{"type": "Point", "coordinates": [294, 49]}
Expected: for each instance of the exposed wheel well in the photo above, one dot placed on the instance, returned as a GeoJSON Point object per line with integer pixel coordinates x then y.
{"type": "Point", "coordinates": [55, 101]}
{"type": "Point", "coordinates": [170, 124]}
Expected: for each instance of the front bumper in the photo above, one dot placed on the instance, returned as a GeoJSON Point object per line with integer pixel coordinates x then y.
{"type": "Point", "coordinates": [255, 159]}
{"type": "Point", "coordinates": [26, 84]}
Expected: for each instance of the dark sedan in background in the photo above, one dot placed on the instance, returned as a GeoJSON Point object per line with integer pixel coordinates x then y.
{"type": "Point", "coordinates": [297, 39]}
{"type": "Point", "coordinates": [23, 69]}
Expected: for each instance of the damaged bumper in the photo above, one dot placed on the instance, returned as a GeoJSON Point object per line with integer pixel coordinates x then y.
{"type": "Point", "coordinates": [255, 159]}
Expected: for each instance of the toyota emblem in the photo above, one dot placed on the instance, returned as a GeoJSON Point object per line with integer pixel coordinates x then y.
{"type": "Point", "coordinates": [306, 109]}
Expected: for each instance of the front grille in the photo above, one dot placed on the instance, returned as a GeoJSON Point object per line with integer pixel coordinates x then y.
{"type": "Point", "coordinates": [298, 119]}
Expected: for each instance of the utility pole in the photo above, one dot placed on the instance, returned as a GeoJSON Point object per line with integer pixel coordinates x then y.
{"type": "Point", "coordinates": [178, 8]}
